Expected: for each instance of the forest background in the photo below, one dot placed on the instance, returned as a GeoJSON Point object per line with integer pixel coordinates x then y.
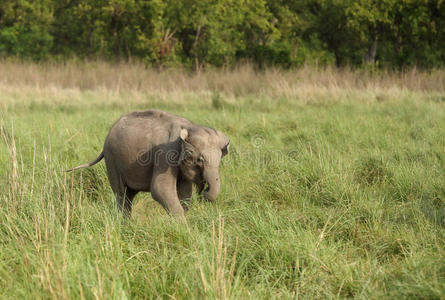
{"type": "Point", "coordinates": [390, 34]}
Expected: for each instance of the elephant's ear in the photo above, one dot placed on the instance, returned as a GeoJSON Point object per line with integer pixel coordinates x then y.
{"type": "Point", "coordinates": [224, 143]}
{"type": "Point", "coordinates": [184, 144]}
{"type": "Point", "coordinates": [225, 149]}
{"type": "Point", "coordinates": [184, 134]}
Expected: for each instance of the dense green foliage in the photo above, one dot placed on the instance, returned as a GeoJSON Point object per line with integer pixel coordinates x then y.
{"type": "Point", "coordinates": [194, 34]}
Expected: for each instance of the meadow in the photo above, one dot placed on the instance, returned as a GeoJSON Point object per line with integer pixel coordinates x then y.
{"type": "Point", "coordinates": [334, 186]}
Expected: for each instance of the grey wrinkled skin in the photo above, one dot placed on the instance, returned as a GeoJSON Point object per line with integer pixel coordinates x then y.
{"type": "Point", "coordinates": [158, 152]}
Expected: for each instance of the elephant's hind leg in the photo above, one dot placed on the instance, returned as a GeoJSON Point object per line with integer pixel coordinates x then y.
{"type": "Point", "coordinates": [124, 195]}
{"type": "Point", "coordinates": [125, 200]}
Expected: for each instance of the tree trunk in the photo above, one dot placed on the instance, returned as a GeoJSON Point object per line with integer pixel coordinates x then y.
{"type": "Point", "coordinates": [338, 59]}
{"type": "Point", "coordinates": [114, 24]}
{"type": "Point", "coordinates": [91, 44]}
{"type": "Point", "coordinates": [369, 56]}
{"type": "Point", "coordinates": [195, 49]}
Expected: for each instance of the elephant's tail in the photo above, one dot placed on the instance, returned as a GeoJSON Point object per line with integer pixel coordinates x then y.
{"type": "Point", "coordinates": [98, 159]}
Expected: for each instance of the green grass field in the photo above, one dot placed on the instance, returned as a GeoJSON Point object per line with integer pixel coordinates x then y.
{"type": "Point", "coordinates": [326, 193]}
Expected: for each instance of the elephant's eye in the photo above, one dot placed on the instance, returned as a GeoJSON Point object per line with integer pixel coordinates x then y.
{"type": "Point", "coordinates": [188, 157]}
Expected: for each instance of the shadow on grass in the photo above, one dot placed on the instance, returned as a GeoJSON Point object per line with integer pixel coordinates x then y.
{"type": "Point", "coordinates": [432, 206]}
{"type": "Point", "coordinates": [371, 171]}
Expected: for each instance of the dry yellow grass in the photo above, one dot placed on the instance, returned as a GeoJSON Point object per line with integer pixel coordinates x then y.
{"type": "Point", "coordinates": [305, 84]}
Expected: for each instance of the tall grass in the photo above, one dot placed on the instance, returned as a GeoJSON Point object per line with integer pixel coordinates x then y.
{"type": "Point", "coordinates": [241, 81]}
{"type": "Point", "coordinates": [333, 188]}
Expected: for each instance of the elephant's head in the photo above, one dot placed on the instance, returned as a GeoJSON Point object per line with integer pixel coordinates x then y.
{"type": "Point", "coordinates": [201, 151]}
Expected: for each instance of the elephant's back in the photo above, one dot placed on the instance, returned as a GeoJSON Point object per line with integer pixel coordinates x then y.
{"type": "Point", "coordinates": [153, 126]}
{"type": "Point", "coordinates": [156, 115]}
{"type": "Point", "coordinates": [133, 133]}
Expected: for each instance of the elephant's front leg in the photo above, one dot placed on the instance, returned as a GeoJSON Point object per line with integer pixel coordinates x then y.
{"type": "Point", "coordinates": [185, 190]}
{"type": "Point", "coordinates": [163, 190]}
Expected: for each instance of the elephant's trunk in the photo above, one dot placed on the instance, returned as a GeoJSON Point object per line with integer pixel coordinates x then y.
{"type": "Point", "coordinates": [211, 176]}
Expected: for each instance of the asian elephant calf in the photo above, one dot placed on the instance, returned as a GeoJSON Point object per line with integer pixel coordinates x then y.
{"type": "Point", "coordinates": [158, 152]}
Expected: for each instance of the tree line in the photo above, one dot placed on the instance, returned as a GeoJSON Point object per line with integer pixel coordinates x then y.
{"type": "Point", "coordinates": [199, 33]}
